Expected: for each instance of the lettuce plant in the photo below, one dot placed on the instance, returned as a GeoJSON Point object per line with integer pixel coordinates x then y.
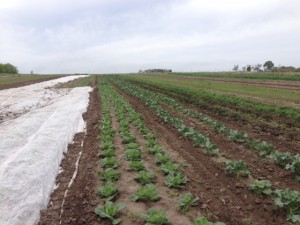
{"type": "Point", "coordinates": [261, 187]}
{"type": "Point", "coordinates": [109, 190]}
{"type": "Point", "coordinates": [137, 165]}
{"type": "Point", "coordinates": [156, 217]}
{"type": "Point", "coordinates": [176, 180]}
{"type": "Point", "coordinates": [109, 162]}
{"type": "Point", "coordinates": [161, 158]}
{"type": "Point", "coordinates": [144, 177]}
{"type": "Point", "coordinates": [109, 174]}
{"type": "Point", "coordinates": [289, 200]}
{"type": "Point", "coordinates": [237, 168]}
{"type": "Point", "coordinates": [146, 193]}
{"type": "Point", "coordinates": [169, 167]}
{"type": "Point", "coordinates": [203, 221]}
{"type": "Point", "coordinates": [186, 201]}
{"type": "Point", "coordinates": [133, 154]}
{"type": "Point", "coordinates": [110, 211]}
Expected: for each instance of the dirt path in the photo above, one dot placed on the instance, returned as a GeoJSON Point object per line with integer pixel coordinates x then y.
{"type": "Point", "coordinates": [222, 197]}
{"type": "Point", "coordinates": [76, 206]}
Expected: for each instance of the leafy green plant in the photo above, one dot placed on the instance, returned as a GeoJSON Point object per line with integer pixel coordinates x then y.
{"type": "Point", "coordinates": [261, 187]}
{"type": "Point", "coordinates": [294, 166]}
{"type": "Point", "coordinates": [203, 221]}
{"type": "Point", "coordinates": [169, 167]}
{"type": "Point", "coordinates": [161, 158]}
{"type": "Point", "coordinates": [137, 165]}
{"type": "Point", "coordinates": [156, 149]}
{"type": "Point", "coordinates": [128, 138]}
{"type": "Point", "coordinates": [186, 201]}
{"type": "Point", "coordinates": [108, 153]}
{"type": "Point", "coordinates": [264, 148]}
{"type": "Point", "coordinates": [109, 162]}
{"type": "Point", "coordinates": [176, 180]}
{"type": "Point", "coordinates": [156, 217]}
{"type": "Point", "coordinates": [132, 146]}
{"type": "Point", "coordinates": [289, 200]}
{"type": "Point", "coordinates": [133, 154]}
{"type": "Point", "coordinates": [109, 174]}
{"type": "Point", "coordinates": [282, 158]}
{"type": "Point", "coordinates": [238, 136]}
{"type": "Point", "coordinates": [110, 211]}
{"type": "Point", "coordinates": [109, 190]}
{"type": "Point", "coordinates": [150, 142]}
{"type": "Point", "coordinates": [237, 168]}
{"type": "Point", "coordinates": [107, 145]}
{"type": "Point", "coordinates": [146, 193]}
{"type": "Point", "coordinates": [144, 177]}
{"type": "Point", "coordinates": [210, 149]}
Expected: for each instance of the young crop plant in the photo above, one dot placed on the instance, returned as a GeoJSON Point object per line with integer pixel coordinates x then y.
{"type": "Point", "coordinates": [156, 217]}
{"type": "Point", "coordinates": [237, 168]}
{"type": "Point", "coordinates": [107, 145]}
{"type": "Point", "coordinates": [107, 153]}
{"type": "Point", "coordinates": [237, 136]}
{"type": "Point", "coordinates": [186, 201]}
{"type": "Point", "coordinates": [144, 177]}
{"type": "Point", "coordinates": [210, 149]}
{"type": "Point", "coordinates": [133, 154]}
{"type": "Point", "coordinates": [261, 187]}
{"type": "Point", "coordinates": [175, 180]}
{"type": "Point", "coordinates": [161, 158]}
{"type": "Point", "coordinates": [169, 167]}
{"type": "Point", "coordinates": [203, 221]}
{"type": "Point", "coordinates": [109, 190]}
{"type": "Point", "coordinates": [282, 158]}
{"type": "Point", "coordinates": [110, 162]}
{"type": "Point", "coordinates": [146, 193]}
{"type": "Point", "coordinates": [294, 166]}
{"type": "Point", "coordinates": [132, 146]}
{"type": "Point", "coordinates": [264, 148]}
{"type": "Point", "coordinates": [150, 142]}
{"type": "Point", "coordinates": [290, 201]}
{"type": "Point", "coordinates": [156, 149]}
{"type": "Point", "coordinates": [109, 174]}
{"type": "Point", "coordinates": [128, 138]}
{"type": "Point", "coordinates": [110, 211]}
{"type": "Point", "coordinates": [137, 165]}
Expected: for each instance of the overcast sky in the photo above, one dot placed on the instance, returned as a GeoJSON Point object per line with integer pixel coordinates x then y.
{"type": "Point", "coordinates": [108, 36]}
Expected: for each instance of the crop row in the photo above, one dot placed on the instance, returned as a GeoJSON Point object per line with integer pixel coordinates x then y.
{"type": "Point", "coordinates": [173, 177]}
{"type": "Point", "coordinates": [214, 100]}
{"type": "Point", "coordinates": [238, 168]}
{"type": "Point", "coordinates": [286, 160]}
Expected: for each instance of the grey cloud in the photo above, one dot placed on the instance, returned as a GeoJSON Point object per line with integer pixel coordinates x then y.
{"type": "Point", "coordinates": [123, 36]}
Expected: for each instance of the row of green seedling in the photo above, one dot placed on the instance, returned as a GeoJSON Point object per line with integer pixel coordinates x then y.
{"type": "Point", "coordinates": [174, 177]}
{"type": "Point", "coordinates": [109, 163]}
{"type": "Point", "coordinates": [286, 160]}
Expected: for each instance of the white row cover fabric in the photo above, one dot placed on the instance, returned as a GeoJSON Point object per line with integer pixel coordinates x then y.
{"type": "Point", "coordinates": [32, 146]}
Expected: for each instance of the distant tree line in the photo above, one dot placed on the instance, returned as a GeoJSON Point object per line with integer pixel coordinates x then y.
{"type": "Point", "coordinates": [8, 68]}
{"type": "Point", "coordinates": [268, 66]}
{"type": "Point", "coordinates": [156, 71]}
